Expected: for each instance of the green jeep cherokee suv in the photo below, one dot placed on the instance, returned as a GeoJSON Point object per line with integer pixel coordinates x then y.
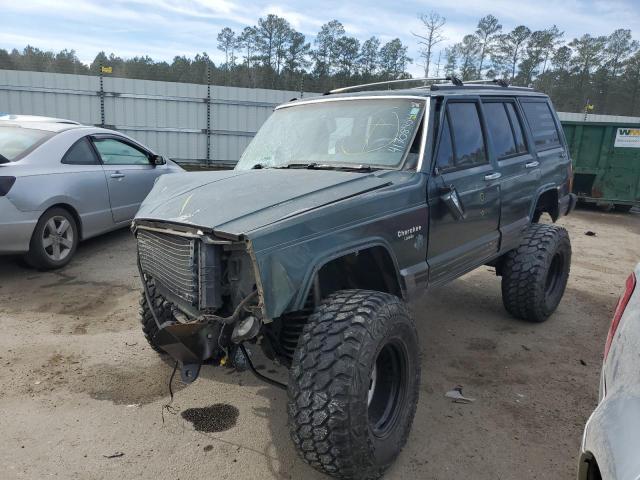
{"type": "Point", "coordinates": [342, 208]}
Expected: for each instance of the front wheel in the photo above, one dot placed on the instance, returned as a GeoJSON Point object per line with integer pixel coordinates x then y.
{"type": "Point", "coordinates": [148, 323]}
{"type": "Point", "coordinates": [353, 384]}
{"type": "Point", "coordinates": [534, 275]}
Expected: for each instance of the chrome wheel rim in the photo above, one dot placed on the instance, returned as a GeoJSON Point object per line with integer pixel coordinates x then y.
{"type": "Point", "coordinates": [57, 238]}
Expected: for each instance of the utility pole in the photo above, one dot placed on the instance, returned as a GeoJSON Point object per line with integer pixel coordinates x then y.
{"type": "Point", "coordinates": [208, 100]}
{"type": "Point", "coordinates": [101, 93]}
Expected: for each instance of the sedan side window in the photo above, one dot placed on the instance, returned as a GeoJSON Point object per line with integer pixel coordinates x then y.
{"type": "Point", "coordinates": [115, 152]}
{"type": "Point", "coordinates": [80, 153]}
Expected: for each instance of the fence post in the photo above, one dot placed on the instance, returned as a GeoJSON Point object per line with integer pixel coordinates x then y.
{"type": "Point", "coordinates": [101, 93]}
{"type": "Point", "coordinates": [208, 116]}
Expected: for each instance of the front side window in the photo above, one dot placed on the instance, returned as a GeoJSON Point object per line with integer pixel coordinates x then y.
{"type": "Point", "coordinates": [468, 139]}
{"type": "Point", "coordinates": [372, 132]}
{"type": "Point", "coordinates": [543, 127]}
{"type": "Point", "coordinates": [444, 159]}
{"type": "Point", "coordinates": [16, 142]}
{"type": "Point", "coordinates": [115, 152]}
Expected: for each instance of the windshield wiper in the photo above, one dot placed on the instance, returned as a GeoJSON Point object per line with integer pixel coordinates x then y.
{"type": "Point", "coordinates": [327, 166]}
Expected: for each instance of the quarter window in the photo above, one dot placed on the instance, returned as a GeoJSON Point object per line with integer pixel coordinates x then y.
{"type": "Point", "coordinates": [543, 127]}
{"type": "Point", "coordinates": [80, 153]}
{"type": "Point", "coordinates": [115, 152]}
{"type": "Point", "coordinates": [468, 139]}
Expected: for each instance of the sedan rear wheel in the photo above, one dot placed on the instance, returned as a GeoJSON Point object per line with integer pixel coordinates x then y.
{"type": "Point", "coordinates": [54, 240]}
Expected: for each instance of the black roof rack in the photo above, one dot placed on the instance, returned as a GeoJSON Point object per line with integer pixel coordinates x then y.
{"type": "Point", "coordinates": [496, 81]}
{"type": "Point", "coordinates": [363, 86]}
{"type": "Point", "coordinates": [434, 83]}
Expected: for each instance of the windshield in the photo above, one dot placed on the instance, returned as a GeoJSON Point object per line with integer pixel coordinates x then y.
{"type": "Point", "coordinates": [16, 141]}
{"type": "Point", "coordinates": [370, 132]}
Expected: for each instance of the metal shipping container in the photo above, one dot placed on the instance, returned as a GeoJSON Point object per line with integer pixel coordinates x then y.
{"type": "Point", "coordinates": [606, 160]}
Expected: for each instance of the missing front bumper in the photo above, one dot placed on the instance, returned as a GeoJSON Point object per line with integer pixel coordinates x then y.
{"type": "Point", "coordinates": [191, 344]}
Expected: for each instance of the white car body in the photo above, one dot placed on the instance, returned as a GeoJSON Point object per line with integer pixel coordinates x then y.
{"type": "Point", "coordinates": [612, 434]}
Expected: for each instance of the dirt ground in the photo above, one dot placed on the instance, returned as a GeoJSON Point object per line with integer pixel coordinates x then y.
{"type": "Point", "coordinates": [79, 384]}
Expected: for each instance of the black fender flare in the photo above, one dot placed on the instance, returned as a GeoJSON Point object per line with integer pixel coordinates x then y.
{"type": "Point", "coordinates": [338, 252]}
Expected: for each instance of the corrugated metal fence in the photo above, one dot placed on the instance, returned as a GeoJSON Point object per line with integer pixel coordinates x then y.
{"type": "Point", "coordinates": [190, 123]}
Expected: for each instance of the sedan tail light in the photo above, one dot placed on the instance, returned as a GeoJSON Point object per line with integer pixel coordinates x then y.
{"type": "Point", "coordinates": [622, 304]}
{"type": "Point", "coordinates": [5, 185]}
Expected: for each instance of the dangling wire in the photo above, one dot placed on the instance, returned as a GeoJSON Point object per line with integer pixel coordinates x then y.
{"type": "Point", "coordinates": [167, 406]}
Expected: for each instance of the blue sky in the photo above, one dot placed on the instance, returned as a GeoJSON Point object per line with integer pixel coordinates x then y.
{"type": "Point", "coordinates": [165, 28]}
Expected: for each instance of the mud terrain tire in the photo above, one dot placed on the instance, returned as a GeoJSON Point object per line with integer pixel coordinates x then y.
{"type": "Point", "coordinates": [163, 311]}
{"type": "Point", "coordinates": [534, 275]}
{"type": "Point", "coordinates": [347, 418]}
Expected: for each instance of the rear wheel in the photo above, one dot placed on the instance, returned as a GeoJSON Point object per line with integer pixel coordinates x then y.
{"type": "Point", "coordinates": [54, 240]}
{"type": "Point", "coordinates": [534, 275]}
{"type": "Point", "coordinates": [353, 384]}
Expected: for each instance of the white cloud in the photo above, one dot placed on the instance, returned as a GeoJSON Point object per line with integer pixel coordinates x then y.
{"type": "Point", "coordinates": [163, 29]}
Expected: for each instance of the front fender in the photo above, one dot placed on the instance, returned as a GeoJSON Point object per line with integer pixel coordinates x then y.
{"type": "Point", "coordinates": [286, 271]}
{"type": "Point", "coordinates": [289, 252]}
{"type": "Point", "coordinates": [337, 251]}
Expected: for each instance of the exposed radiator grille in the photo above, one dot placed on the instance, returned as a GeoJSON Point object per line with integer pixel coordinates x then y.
{"type": "Point", "coordinates": [172, 261]}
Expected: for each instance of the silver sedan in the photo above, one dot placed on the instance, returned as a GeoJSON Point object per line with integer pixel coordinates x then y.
{"type": "Point", "coordinates": [611, 442]}
{"type": "Point", "coordinates": [61, 182]}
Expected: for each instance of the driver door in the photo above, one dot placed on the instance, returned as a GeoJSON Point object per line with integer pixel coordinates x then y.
{"type": "Point", "coordinates": [461, 240]}
{"type": "Point", "coordinates": [130, 175]}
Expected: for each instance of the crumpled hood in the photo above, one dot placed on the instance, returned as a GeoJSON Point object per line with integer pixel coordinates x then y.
{"type": "Point", "coordinates": [239, 201]}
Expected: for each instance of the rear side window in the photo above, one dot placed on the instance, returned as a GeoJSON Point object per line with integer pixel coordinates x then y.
{"type": "Point", "coordinates": [516, 125]}
{"type": "Point", "coordinates": [467, 136]}
{"type": "Point", "coordinates": [543, 127]}
{"type": "Point", "coordinates": [16, 142]}
{"type": "Point", "coordinates": [80, 153]}
{"type": "Point", "coordinates": [500, 128]}
{"type": "Point", "coordinates": [505, 128]}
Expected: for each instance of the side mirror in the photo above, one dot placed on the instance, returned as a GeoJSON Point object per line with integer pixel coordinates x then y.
{"type": "Point", "coordinates": [157, 160]}
{"type": "Point", "coordinates": [451, 199]}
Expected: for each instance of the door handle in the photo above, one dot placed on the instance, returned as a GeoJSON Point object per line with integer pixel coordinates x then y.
{"type": "Point", "coordinates": [493, 176]}
{"type": "Point", "coordinates": [117, 175]}
{"type": "Point", "coordinates": [533, 164]}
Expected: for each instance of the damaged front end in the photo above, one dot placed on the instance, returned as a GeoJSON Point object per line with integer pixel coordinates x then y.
{"type": "Point", "coordinates": [207, 284]}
